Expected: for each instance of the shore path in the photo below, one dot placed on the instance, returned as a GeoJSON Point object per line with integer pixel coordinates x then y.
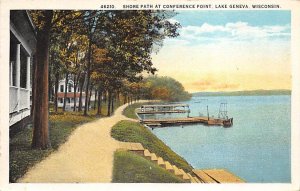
{"type": "Point", "coordinates": [87, 156]}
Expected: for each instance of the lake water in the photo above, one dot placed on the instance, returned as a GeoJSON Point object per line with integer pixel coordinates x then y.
{"type": "Point", "coordinates": [256, 148]}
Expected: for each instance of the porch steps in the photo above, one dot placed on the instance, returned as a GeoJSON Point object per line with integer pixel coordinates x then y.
{"type": "Point", "coordinates": [161, 162]}
{"type": "Point", "coordinates": [184, 175]}
{"type": "Point", "coordinates": [169, 167]}
{"type": "Point", "coordinates": [147, 154]}
{"type": "Point", "coordinates": [193, 178]}
{"type": "Point", "coordinates": [196, 176]}
{"type": "Point", "coordinates": [154, 157]}
{"type": "Point", "coordinates": [139, 149]}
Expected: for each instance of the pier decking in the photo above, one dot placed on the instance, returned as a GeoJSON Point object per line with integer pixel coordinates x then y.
{"type": "Point", "coordinates": [179, 108]}
{"type": "Point", "coordinates": [164, 108]}
{"type": "Point", "coordinates": [188, 120]}
{"type": "Point", "coordinates": [217, 176]}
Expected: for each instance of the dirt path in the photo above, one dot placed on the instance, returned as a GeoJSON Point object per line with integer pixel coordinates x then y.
{"type": "Point", "coordinates": [87, 156]}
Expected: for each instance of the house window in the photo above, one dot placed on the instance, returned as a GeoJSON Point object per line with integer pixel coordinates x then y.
{"type": "Point", "coordinates": [12, 58]}
{"type": "Point", "coordinates": [23, 68]}
{"type": "Point", "coordinates": [69, 88]}
{"type": "Point", "coordinates": [61, 100]}
{"type": "Point", "coordinates": [61, 88]}
{"type": "Point", "coordinates": [12, 77]}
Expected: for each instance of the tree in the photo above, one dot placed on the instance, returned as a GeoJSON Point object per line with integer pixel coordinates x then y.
{"type": "Point", "coordinates": [132, 37]}
{"type": "Point", "coordinates": [100, 72]}
{"type": "Point", "coordinates": [46, 21]}
{"type": "Point", "coordinates": [78, 66]}
{"type": "Point", "coordinates": [165, 88]}
{"type": "Point", "coordinates": [91, 26]}
{"type": "Point", "coordinates": [56, 67]}
{"type": "Point", "coordinates": [129, 37]}
{"type": "Point", "coordinates": [40, 112]}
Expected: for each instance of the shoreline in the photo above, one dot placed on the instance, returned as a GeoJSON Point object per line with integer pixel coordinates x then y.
{"type": "Point", "coordinates": [221, 174]}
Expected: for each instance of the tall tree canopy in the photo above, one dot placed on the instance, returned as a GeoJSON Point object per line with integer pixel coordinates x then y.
{"type": "Point", "coordinates": [110, 48]}
{"type": "Point", "coordinates": [164, 88]}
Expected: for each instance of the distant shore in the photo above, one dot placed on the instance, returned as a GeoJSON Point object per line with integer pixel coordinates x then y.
{"type": "Point", "coordinates": [245, 93]}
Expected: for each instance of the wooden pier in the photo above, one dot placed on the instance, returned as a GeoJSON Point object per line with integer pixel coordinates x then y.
{"type": "Point", "coordinates": [163, 109]}
{"type": "Point", "coordinates": [189, 120]}
{"type": "Point", "coordinates": [217, 176]}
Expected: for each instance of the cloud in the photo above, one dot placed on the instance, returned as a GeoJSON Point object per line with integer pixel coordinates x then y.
{"type": "Point", "coordinates": [233, 56]}
{"type": "Point", "coordinates": [175, 41]}
{"type": "Point", "coordinates": [233, 31]}
{"type": "Point", "coordinates": [173, 21]}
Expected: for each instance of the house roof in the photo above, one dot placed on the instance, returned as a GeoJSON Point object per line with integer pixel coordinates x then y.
{"type": "Point", "coordinates": [69, 94]}
{"type": "Point", "coordinates": [21, 23]}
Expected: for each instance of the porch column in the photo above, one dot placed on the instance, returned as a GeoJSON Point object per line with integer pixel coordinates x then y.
{"type": "Point", "coordinates": [11, 74]}
{"type": "Point", "coordinates": [18, 74]}
{"type": "Point", "coordinates": [28, 82]}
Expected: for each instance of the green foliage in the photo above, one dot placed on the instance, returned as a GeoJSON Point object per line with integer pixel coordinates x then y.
{"type": "Point", "coordinates": [129, 111]}
{"type": "Point", "coordinates": [165, 88]}
{"type": "Point", "coordinates": [128, 131]}
{"type": "Point", "coordinates": [124, 42]}
{"type": "Point", "coordinates": [129, 38]}
{"type": "Point", "coordinates": [132, 168]}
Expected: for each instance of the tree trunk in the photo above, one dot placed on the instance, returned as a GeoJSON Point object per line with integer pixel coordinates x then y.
{"type": "Point", "coordinates": [112, 103]}
{"type": "Point", "coordinates": [40, 138]}
{"type": "Point", "coordinates": [118, 98]}
{"type": "Point", "coordinates": [88, 76]}
{"type": "Point", "coordinates": [124, 100]}
{"type": "Point", "coordinates": [109, 103]}
{"type": "Point", "coordinates": [56, 90]}
{"type": "Point", "coordinates": [80, 95]}
{"type": "Point", "coordinates": [76, 79]}
{"type": "Point", "coordinates": [99, 103]}
{"type": "Point", "coordinates": [49, 78]}
{"type": "Point", "coordinates": [105, 97]}
{"type": "Point", "coordinates": [95, 99]}
{"type": "Point", "coordinates": [75, 91]}
{"type": "Point", "coordinates": [66, 90]}
{"type": "Point", "coordinates": [90, 96]}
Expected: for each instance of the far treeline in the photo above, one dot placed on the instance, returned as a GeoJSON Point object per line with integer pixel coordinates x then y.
{"type": "Point", "coordinates": [106, 52]}
{"type": "Point", "coordinates": [164, 88]}
{"type": "Point", "coordinates": [245, 93]}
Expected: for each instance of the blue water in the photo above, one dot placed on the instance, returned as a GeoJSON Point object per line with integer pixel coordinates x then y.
{"type": "Point", "coordinates": [256, 148]}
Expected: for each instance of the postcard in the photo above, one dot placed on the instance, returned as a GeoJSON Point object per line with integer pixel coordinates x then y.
{"type": "Point", "coordinates": [180, 94]}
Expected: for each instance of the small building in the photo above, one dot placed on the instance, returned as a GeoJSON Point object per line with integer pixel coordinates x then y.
{"type": "Point", "coordinates": [70, 98]}
{"type": "Point", "coordinates": [22, 50]}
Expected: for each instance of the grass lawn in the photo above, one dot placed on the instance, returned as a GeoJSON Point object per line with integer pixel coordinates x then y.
{"type": "Point", "coordinates": [132, 168]}
{"type": "Point", "coordinates": [61, 125]}
{"type": "Point", "coordinates": [128, 131]}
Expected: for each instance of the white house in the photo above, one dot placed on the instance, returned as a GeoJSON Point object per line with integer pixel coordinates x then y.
{"type": "Point", "coordinates": [22, 49]}
{"type": "Point", "coordinates": [70, 98]}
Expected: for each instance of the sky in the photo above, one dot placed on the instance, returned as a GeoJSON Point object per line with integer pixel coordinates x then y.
{"type": "Point", "coordinates": [228, 51]}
